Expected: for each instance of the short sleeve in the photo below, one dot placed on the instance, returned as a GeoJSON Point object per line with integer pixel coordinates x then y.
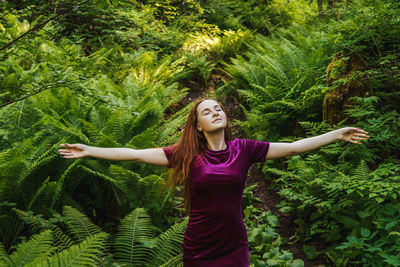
{"type": "Point", "coordinates": [256, 150]}
{"type": "Point", "coordinates": [168, 153]}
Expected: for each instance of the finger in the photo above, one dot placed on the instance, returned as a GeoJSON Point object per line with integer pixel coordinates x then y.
{"type": "Point", "coordinates": [70, 157]}
{"type": "Point", "coordinates": [66, 145]}
{"type": "Point", "coordinates": [69, 145]}
{"type": "Point", "coordinates": [361, 130]}
{"type": "Point", "coordinates": [361, 134]}
{"type": "Point", "coordinates": [359, 138]}
{"type": "Point", "coordinates": [66, 154]}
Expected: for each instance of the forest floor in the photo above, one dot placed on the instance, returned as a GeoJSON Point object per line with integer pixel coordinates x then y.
{"type": "Point", "coordinates": [268, 196]}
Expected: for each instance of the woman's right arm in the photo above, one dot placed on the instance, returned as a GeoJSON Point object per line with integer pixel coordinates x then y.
{"type": "Point", "coordinates": [155, 156]}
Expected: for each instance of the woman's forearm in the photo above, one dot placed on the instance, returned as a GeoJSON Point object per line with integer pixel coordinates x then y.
{"type": "Point", "coordinates": [314, 142]}
{"type": "Point", "coordinates": [111, 153]}
{"type": "Point", "coordinates": [154, 156]}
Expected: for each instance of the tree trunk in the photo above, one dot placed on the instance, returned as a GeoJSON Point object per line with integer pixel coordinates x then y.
{"type": "Point", "coordinates": [320, 9]}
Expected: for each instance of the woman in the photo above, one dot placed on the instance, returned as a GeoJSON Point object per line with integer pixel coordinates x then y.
{"type": "Point", "coordinates": [213, 167]}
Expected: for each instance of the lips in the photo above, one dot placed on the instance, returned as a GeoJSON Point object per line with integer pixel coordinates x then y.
{"type": "Point", "coordinates": [219, 119]}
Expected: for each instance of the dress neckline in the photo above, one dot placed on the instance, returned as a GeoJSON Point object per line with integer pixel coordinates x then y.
{"type": "Point", "coordinates": [209, 151]}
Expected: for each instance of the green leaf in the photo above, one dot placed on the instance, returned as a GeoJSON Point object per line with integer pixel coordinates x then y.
{"type": "Point", "coordinates": [347, 221]}
{"type": "Point", "coordinates": [297, 263]}
{"type": "Point", "coordinates": [363, 214]}
{"type": "Point", "coordinates": [365, 232]}
{"type": "Point", "coordinates": [390, 225]}
{"type": "Point", "coordinates": [310, 251]}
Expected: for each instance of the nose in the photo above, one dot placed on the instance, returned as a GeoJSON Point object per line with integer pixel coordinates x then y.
{"type": "Point", "coordinates": [216, 113]}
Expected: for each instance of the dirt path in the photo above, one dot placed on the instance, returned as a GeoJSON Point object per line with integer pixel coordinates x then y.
{"type": "Point", "coordinates": [287, 227]}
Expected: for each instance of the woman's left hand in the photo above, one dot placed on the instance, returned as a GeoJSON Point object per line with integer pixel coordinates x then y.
{"type": "Point", "coordinates": [352, 135]}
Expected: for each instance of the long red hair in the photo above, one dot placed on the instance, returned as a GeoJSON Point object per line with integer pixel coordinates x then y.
{"type": "Point", "coordinates": [191, 143]}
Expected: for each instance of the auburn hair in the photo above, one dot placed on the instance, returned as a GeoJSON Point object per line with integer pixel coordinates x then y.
{"type": "Point", "coordinates": [191, 143]}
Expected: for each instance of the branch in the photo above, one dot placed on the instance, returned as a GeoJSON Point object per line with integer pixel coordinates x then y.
{"type": "Point", "coordinates": [43, 88]}
{"type": "Point", "coordinates": [39, 26]}
{"type": "Point", "coordinates": [31, 30]}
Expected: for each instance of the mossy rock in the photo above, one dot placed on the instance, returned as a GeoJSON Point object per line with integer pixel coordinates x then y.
{"type": "Point", "coordinates": [345, 77]}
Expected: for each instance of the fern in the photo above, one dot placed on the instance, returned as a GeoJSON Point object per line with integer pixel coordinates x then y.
{"type": "Point", "coordinates": [362, 171]}
{"type": "Point", "coordinates": [176, 261]}
{"type": "Point", "coordinates": [78, 224]}
{"type": "Point", "coordinates": [169, 129]}
{"type": "Point", "coordinates": [60, 182]}
{"type": "Point", "coordinates": [65, 126]}
{"type": "Point", "coordinates": [38, 192]}
{"type": "Point", "coordinates": [117, 183]}
{"type": "Point", "coordinates": [86, 253]}
{"type": "Point", "coordinates": [39, 245]}
{"type": "Point", "coordinates": [133, 231]}
{"type": "Point", "coordinates": [61, 240]}
{"type": "Point", "coordinates": [169, 244]}
{"type": "Point", "coordinates": [4, 260]}
{"type": "Point", "coordinates": [149, 188]}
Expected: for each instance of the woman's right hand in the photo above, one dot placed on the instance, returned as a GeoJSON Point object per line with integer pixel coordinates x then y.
{"type": "Point", "coordinates": [74, 151]}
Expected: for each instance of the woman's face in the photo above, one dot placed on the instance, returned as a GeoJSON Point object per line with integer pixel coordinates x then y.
{"type": "Point", "coordinates": [210, 116]}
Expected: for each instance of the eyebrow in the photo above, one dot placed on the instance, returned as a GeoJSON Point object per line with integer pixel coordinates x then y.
{"type": "Point", "coordinates": [209, 109]}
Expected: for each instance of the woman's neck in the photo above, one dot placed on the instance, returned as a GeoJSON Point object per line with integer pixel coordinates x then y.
{"type": "Point", "coordinates": [216, 141]}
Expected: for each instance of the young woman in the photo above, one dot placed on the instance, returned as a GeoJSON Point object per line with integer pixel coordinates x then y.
{"type": "Point", "coordinates": [213, 168]}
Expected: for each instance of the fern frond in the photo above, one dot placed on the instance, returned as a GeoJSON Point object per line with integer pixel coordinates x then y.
{"type": "Point", "coordinates": [362, 171]}
{"type": "Point", "coordinates": [4, 260]}
{"type": "Point", "coordinates": [123, 174]}
{"type": "Point", "coordinates": [149, 187]}
{"type": "Point", "coordinates": [79, 224]}
{"type": "Point", "coordinates": [117, 183]}
{"type": "Point", "coordinates": [176, 261]}
{"type": "Point", "coordinates": [65, 126]}
{"type": "Point", "coordinates": [169, 127]}
{"type": "Point", "coordinates": [29, 219]}
{"type": "Point", "coordinates": [38, 246]}
{"type": "Point", "coordinates": [135, 229]}
{"type": "Point", "coordinates": [86, 253]}
{"type": "Point", "coordinates": [169, 244]}
{"type": "Point", "coordinates": [60, 182]}
{"type": "Point", "coordinates": [38, 192]}
{"type": "Point", "coordinates": [61, 240]}
{"type": "Point", "coordinates": [94, 134]}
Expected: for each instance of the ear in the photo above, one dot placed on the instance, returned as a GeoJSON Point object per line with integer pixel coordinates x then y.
{"type": "Point", "coordinates": [199, 128]}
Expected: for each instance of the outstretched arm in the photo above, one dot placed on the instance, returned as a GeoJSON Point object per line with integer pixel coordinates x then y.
{"type": "Point", "coordinates": [349, 134]}
{"type": "Point", "coordinates": [155, 156]}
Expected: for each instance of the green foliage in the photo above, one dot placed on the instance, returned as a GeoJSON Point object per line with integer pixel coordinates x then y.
{"type": "Point", "coordinates": [111, 73]}
{"type": "Point", "coordinates": [79, 225]}
{"type": "Point", "coordinates": [260, 16]}
{"type": "Point", "coordinates": [377, 243]}
{"type": "Point", "coordinates": [264, 241]}
{"type": "Point", "coordinates": [277, 79]}
{"type": "Point", "coordinates": [38, 246]}
{"type": "Point", "coordinates": [136, 242]}
{"type": "Point", "coordinates": [88, 252]}
{"type": "Point", "coordinates": [134, 229]}
{"type": "Point", "coordinates": [169, 243]}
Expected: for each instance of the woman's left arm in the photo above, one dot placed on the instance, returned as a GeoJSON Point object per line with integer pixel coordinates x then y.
{"type": "Point", "coordinates": [349, 134]}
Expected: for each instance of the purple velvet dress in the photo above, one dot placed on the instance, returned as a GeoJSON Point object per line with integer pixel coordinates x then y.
{"type": "Point", "coordinates": [216, 235]}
